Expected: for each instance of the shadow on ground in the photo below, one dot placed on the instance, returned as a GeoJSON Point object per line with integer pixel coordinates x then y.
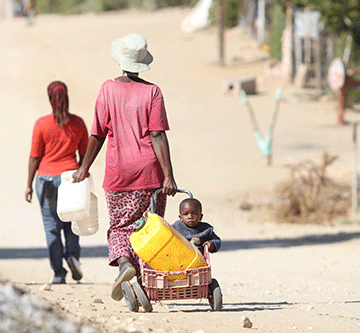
{"type": "Point", "coordinates": [227, 245]}
{"type": "Point", "coordinates": [41, 252]}
{"type": "Point", "coordinates": [230, 245]}
{"type": "Point", "coordinates": [228, 307]}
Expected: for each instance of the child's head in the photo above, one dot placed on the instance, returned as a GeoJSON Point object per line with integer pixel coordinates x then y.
{"type": "Point", "coordinates": [190, 212]}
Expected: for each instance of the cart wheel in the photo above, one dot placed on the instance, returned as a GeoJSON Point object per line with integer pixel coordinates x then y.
{"type": "Point", "coordinates": [130, 296]}
{"type": "Point", "coordinates": [215, 295]}
{"type": "Point", "coordinates": [143, 299]}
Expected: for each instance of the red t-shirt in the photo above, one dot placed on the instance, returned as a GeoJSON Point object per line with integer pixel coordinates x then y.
{"type": "Point", "coordinates": [126, 112]}
{"type": "Point", "coordinates": [57, 146]}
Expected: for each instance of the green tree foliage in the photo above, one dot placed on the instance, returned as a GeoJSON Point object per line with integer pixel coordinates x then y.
{"type": "Point", "coordinates": [232, 9]}
{"type": "Point", "coordinates": [79, 6]}
{"type": "Point", "coordinates": [67, 6]}
{"type": "Point", "coordinates": [175, 3]}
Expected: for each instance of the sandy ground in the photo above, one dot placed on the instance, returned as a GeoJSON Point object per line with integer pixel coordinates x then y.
{"type": "Point", "coordinates": [285, 278]}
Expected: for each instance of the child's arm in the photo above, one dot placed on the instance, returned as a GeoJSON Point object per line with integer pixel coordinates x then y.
{"type": "Point", "coordinates": [214, 242]}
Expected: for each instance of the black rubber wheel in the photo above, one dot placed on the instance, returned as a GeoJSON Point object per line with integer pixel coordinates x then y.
{"type": "Point", "coordinates": [130, 296]}
{"type": "Point", "coordinates": [215, 296]}
{"type": "Point", "coordinates": [142, 297]}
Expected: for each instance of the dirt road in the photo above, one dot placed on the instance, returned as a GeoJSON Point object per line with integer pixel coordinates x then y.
{"type": "Point", "coordinates": [285, 278]}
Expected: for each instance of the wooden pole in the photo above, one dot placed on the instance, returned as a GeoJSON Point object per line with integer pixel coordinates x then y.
{"type": "Point", "coordinates": [288, 64]}
{"type": "Point", "coordinates": [318, 60]}
{"type": "Point", "coordinates": [307, 41]}
{"type": "Point", "coordinates": [354, 194]}
{"type": "Point", "coordinates": [290, 23]}
{"type": "Point", "coordinates": [221, 22]}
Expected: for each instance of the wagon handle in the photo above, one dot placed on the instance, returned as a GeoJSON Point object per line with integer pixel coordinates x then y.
{"type": "Point", "coordinates": [206, 255]}
{"type": "Point", "coordinates": [153, 199]}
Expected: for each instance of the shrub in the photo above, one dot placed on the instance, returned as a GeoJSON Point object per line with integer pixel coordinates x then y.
{"type": "Point", "coordinates": [55, 6]}
{"type": "Point", "coordinates": [114, 4]}
{"type": "Point", "coordinates": [78, 6]}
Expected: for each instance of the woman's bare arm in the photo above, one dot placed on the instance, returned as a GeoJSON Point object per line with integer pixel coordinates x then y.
{"type": "Point", "coordinates": [34, 163]}
{"type": "Point", "coordinates": [161, 148]}
{"type": "Point", "coordinates": [94, 146]}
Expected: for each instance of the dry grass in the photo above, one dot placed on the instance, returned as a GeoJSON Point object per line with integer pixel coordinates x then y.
{"type": "Point", "coordinates": [309, 196]}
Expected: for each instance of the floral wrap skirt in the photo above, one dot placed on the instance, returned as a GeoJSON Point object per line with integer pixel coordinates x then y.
{"type": "Point", "coordinates": [125, 209]}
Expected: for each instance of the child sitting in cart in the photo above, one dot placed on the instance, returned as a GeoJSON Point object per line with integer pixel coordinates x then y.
{"type": "Point", "coordinates": [194, 230]}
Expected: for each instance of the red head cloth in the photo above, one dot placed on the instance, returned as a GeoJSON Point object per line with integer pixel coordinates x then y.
{"type": "Point", "coordinates": [58, 96]}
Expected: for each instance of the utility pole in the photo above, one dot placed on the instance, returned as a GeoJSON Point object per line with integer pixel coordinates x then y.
{"type": "Point", "coordinates": [260, 21]}
{"type": "Point", "coordinates": [221, 23]}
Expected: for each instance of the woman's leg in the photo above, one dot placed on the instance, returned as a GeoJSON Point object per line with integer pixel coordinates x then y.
{"type": "Point", "coordinates": [72, 252]}
{"type": "Point", "coordinates": [47, 195]}
{"type": "Point", "coordinates": [72, 245]}
{"type": "Point", "coordinates": [125, 208]}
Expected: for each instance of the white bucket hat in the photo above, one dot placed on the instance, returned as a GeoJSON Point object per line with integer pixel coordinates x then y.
{"type": "Point", "coordinates": [131, 53]}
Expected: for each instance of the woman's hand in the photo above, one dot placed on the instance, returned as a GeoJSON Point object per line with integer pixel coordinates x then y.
{"type": "Point", "coordinates": [79, 175]}
{"type": "Point", "coordinates": [34, 163]}
{"type": "Point", "coordinates": [93, 148]}
{"type": "Point", "coordinates": [169, 186]}
{"type": "Point", "coordinates": [28, 194]}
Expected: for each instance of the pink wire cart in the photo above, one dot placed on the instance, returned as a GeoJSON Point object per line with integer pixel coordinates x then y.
{"type": "Point", "coordinates": [193, 283]}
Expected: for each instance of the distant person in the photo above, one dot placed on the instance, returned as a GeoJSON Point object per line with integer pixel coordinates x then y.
{"type": "Point", "coordinates": [56, 139]}
{"type": "Point", "coordinates": [131, 113]}
{"type": "Point", "coordinates": [29, 10]}
{"type": "Point", "coordinates": [191, 226]}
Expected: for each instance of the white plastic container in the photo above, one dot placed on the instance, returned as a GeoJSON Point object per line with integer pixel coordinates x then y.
{"type": "Point", "coordinates": [73, 198]}
{"type": "Point", "coordinates": [90, 225]}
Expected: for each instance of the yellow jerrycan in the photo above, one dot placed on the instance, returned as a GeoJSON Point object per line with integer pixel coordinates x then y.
{"type": "Point", "coordinates": [161, 246]}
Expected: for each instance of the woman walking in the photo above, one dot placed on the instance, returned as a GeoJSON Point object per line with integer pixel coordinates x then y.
{"type": "Point", "coordinates": [131, 113]}
{"type": "Point", "coordinates": [56, 139]}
